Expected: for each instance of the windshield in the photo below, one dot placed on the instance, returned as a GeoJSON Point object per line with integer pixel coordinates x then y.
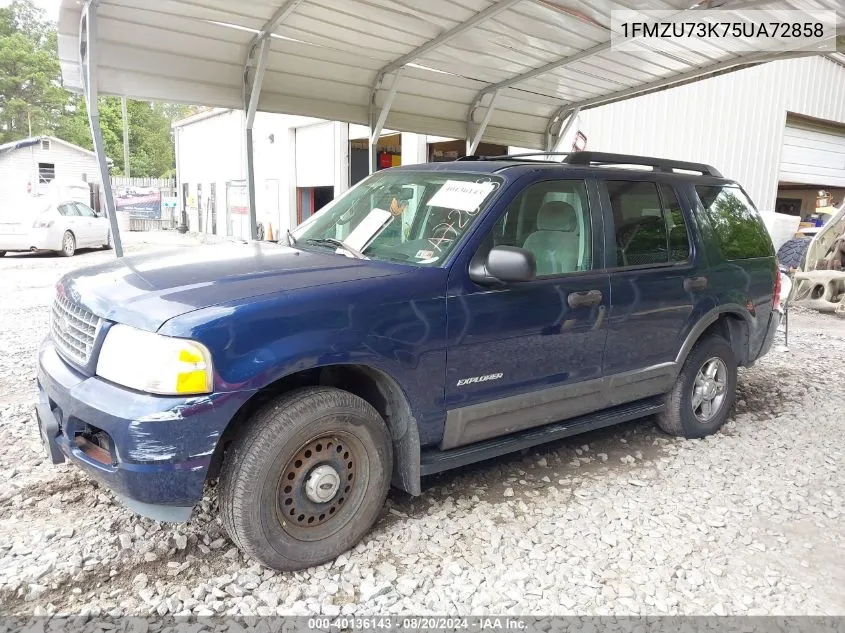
{"type": "Point", "coordinates": [401, 216]}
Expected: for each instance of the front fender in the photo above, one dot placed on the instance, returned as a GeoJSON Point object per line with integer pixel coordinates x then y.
{"type": "Point", "coordinates": [394, 325]}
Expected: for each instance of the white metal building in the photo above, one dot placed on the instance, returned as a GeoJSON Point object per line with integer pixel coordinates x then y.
{"type": "Point", "coordinates": [778, 128]}
{"type": "Point", "coordinates": [29, 165]}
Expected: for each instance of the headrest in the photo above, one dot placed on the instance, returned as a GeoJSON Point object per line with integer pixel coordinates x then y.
{"type": "Point", "coordinates": [557, 215]}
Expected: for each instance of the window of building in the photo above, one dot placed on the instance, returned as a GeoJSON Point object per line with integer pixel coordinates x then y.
{"type": "Point", "coordinates": [738, 227]}
{"type": "Point", "coordinates": [46, 173]}
{"type": "Point", "coordinates": [45, 144]}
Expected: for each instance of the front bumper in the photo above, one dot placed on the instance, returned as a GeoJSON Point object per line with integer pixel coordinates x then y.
{"type": "Point", "coordinates": [157, 449]}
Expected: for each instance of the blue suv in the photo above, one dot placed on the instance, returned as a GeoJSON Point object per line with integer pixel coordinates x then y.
{"type": "Point", "coordinates": [430, 317]}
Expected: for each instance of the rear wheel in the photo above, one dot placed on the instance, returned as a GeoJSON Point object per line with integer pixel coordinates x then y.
{"type": "Point", "coordinates": [307, 479]}
{"type": "Point", "coordinates": [792, 253]}
{"type": "Point", "coordinates": [68, 244]}
{"type": "Point", "coordinates": [704, 392]}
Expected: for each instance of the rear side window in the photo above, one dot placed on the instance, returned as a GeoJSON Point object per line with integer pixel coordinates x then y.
{"type": "Point", "coordinates": [68, 210]}
{"type": "Point", "coordinates": [648, 228]}
{"type": "Point", "coordinates": [738, 227]}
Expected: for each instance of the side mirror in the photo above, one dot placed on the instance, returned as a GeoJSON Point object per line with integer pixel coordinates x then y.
{"type": "Point", "coordinates": [505, 263]}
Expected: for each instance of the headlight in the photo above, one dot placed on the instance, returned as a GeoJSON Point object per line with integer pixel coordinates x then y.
{"type": "Point", "coordinates": [155, 363]}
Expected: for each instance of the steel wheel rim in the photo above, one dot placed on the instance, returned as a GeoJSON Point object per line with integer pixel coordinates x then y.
{"type": "Point", "coordinates": [709, 389]}
{"type": "Point", "coordinates": [302, 515]}
{"type": "Point", "coordinates": [68, 243]}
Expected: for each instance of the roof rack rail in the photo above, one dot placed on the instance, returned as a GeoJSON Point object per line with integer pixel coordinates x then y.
{"type": "Point", "coordinates": [473, 157]}
{"type": "Point", "coordinates": [659, 164]}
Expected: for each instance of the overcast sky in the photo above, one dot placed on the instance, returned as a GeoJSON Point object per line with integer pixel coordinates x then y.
{"type": "Point", "coordinates": [50, 6]}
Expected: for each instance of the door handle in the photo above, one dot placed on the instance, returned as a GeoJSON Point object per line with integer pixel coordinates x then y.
{"type": "Point", "coordinates": [695, 283]}
{"type": "Point", "coordinates": [584, 299]}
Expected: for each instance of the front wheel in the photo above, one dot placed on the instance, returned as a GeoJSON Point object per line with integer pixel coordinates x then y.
{"type": "Point", "coordinates": [307, 479]}
{"type": "Point", "coordinates": [704, 392]}
{"type": "Point", "coordinates": [68, 244]}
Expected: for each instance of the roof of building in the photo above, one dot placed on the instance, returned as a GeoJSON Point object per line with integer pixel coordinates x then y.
{"type": "Point", "coordinates": [35, 140]}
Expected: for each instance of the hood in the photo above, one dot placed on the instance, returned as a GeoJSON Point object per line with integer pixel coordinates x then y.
{"type": "Point", "coordinates": [146, 290]}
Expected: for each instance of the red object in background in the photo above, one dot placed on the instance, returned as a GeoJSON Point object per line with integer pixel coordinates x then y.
{"type": "Point", "coordinates": [384, 160]}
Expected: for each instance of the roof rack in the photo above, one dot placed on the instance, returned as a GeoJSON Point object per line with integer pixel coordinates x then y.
{"type": "Point", "coordinates": [659, 164]}
{"type": "Point", "coordinates": [604, 158]}
{"type": "Point", "coordinates": [514, 157]}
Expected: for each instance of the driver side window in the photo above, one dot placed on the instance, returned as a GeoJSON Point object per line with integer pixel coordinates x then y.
{"type": "Point", "coordinates": [551, 219]}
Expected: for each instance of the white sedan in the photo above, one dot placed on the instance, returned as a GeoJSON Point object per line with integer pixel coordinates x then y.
{"type": "Point", "coordinates": [41, 225]}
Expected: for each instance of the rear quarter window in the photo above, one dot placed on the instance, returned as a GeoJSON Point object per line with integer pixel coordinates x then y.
{"type": "Point", "coordinates": [738, 228]}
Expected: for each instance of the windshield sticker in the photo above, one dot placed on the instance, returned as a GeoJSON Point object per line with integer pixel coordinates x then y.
{"type": "Point", "coordinates": [461, 195]}
{"type": "Point", "coordinates": [368, 229]}
{"type": "Point", "coordinates": [423, 254]}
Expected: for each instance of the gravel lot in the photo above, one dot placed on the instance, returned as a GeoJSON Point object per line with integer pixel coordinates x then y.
{"type": "Point", "coordinates": [622, 521]}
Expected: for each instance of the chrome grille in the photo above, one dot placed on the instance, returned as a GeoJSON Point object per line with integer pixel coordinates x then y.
{"type": "Point", "coordinates": [74, 330]}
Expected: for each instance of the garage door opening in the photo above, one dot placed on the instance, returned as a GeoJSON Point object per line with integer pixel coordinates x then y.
{"type": "Point", "coordinates": [812, 168]}
{"type": "Point", "coordinates": [309, 200]}
{"type": "Point", "coordinates": [389, 155]}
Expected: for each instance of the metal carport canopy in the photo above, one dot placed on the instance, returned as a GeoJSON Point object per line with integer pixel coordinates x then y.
{"type": "Point", "coordinates": [432, 67]}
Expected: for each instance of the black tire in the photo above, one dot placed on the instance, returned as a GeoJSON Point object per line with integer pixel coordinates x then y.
{"type": "Point", "coordinates": [791, 254]}
{"type": "Point", "coordinates": [679, 418]}
{"type": "Point", "coordinates": [287, 440]}
{"type": "Point", "coordinates": [68, 244]}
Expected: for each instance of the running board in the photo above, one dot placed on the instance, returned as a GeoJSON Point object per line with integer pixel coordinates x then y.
{"type": "Point", "coordinates": [435, 461]}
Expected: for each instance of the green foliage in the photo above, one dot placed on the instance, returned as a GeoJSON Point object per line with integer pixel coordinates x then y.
{"type": "Point", "coordinates": [30, 94]}
{"type": "Point", "coordinates": [33, 101]}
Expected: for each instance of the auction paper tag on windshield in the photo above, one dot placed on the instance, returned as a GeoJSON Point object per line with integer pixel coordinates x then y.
{"type": "Point", "coordinates": [461, 195]}
{"type": "Point", "coordinates": [368, 229]}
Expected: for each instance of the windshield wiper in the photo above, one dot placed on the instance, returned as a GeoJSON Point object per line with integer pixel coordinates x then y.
{"type": "Point", "coordinates": [291, 239]}
{"type": "Point", "coordinates": [339, 244]}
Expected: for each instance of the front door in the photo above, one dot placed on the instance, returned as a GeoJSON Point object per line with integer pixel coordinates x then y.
{"type": "Point", "coordinates": [526, 354]}
{"type": "Point", "coordinates": [656, 283]}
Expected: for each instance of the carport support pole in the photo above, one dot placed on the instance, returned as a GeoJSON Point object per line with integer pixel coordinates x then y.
{"type": "Point", "coordinates": [474, 140]}
{"type": "Point", "coordinates": [553, 141]}
{"type": "Point", "coordinates": [376, 125]}
{"type": "Point", "coordinates": [256, 64]}
{"type": "Point", "coordinates": [88, 70]}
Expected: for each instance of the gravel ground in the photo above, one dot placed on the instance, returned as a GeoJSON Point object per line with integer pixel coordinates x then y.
{"type": "Point", "coordinates": [622, 521]}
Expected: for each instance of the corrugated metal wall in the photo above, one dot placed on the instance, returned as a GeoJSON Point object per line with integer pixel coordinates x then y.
{"type": "Point", "coordinates": [735, 121]}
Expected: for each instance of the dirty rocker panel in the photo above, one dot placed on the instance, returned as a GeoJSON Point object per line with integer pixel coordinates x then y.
{"type": "Point", "coordinates": [503, 416]}
{"type": "Point", "coordinates": [434, 461]}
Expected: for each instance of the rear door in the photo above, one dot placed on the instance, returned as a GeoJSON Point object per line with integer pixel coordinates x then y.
{"type": "Point", "coordinates": [743, 275]}
{"type": "Point", "coordinates": [73, 222]}
{"type": "Point", "coordinates": [657, 283]}
{"type": "Point", "coordinates": [525, 354]}
{"type": "Point", "coordinates": [96, 229]}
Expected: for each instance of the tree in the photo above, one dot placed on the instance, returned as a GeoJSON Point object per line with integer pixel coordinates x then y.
{"type": "Point", "coordinates": [31, 96]}
{"type": "Point", "coordinates": [33, 101]}
{"type": "Point", "coordinates": [150, 141]}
